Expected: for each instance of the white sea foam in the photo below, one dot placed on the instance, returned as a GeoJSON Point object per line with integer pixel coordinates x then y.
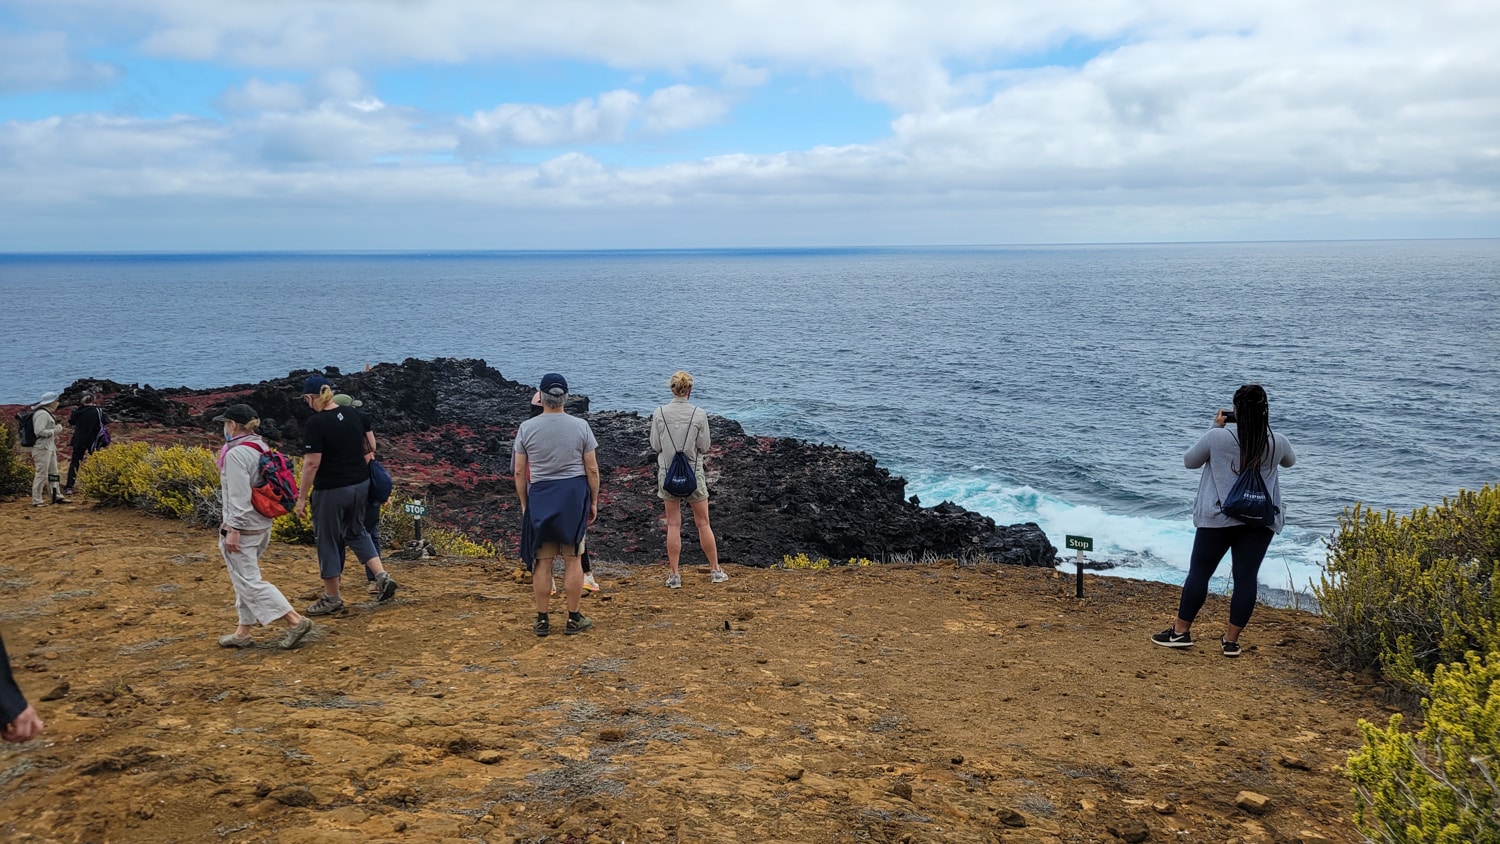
{"type": "Point", "coordinates": [1140, 547]}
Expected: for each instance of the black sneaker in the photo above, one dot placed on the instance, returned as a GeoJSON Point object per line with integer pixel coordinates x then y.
{"type": "Point", "coordinates": [578, 625]}
{"type": "Point", "coordinates": [387, 587]}
{"type": "Point", "coordinates": [542, 627]}
{"type": "Point", "coordinates": [1231, 649]}
{"type": "Point", "coordinates": [1169, 638]}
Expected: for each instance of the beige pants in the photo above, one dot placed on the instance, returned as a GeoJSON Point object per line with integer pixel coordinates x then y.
{"type": "Point", "coordinates": [44, 457]}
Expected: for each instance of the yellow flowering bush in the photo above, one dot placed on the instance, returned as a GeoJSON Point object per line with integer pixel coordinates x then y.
{"type": "Point", "coordinates": [1441, 785]}
{"type": "Point", "coordinates": [1408, 593]}
{"type": "Point", "coordinates": [15, 472]}
{"type": "Point", "coordinates": [180, 482]}
{"type": "Point", "coordinates": [451, 543]}
{"type": "Point", "coordinates": [802, 561]}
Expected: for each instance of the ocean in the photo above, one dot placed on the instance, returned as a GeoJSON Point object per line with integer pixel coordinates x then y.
{"type": "Point", "coordinates": [1055, 384]}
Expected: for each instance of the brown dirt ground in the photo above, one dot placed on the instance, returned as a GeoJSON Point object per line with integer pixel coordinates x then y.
{"type": "Point", "coordinates": [892, 704]}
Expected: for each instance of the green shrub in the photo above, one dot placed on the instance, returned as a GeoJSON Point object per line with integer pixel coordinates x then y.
{"type": "Point", "coordinates": [397, 527]}
{"type": "Point", "coordinates": [15, 471]}
{"type": "Point", "coordinates": [1442, 785]}
{"type": "Point", "coordinates": [180, 482]}
{"type": "Point", "coordinates": [1409, 593]}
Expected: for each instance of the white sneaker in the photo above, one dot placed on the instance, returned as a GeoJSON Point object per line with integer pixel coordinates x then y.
{"type": "Point", "coordinates": [674, 581]}
{"type": "Point", "coordinates": [718, 576]}
{"type": "Point", "coordinates": [589, 584]}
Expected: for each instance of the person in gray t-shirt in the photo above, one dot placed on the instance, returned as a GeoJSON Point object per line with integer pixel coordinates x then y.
{"type": "Point", "coordinates": [557, 480]}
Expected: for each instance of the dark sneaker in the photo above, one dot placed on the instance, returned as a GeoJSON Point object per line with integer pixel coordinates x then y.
{"type": "Point", "coordinates": [578, 625]}
{"type": "Point", "coordinates": [387, 587]}
{"type": "Point", "coordinates": [542, 627]}
{"type": "Point", "coordinates": [1231, 649]}
{"type": "Point", "coordinates": [295, 634]}
{"type": "Point", "coordinates": [326, 605]}
{"type": "Point", "coordinates": [1169, 638]}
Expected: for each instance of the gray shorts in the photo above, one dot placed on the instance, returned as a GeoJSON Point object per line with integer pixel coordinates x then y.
{"type": "Point", "coordinates": [338, 518]}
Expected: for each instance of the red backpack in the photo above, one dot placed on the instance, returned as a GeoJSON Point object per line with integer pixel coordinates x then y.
{"type": "Point", "coordinates": [276, 495]}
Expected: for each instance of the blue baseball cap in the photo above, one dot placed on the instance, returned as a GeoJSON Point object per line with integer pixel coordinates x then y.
{"type": "Point", "coordinates": [315, 384]}
{"type": "Point", "coordinates": [554, 384]}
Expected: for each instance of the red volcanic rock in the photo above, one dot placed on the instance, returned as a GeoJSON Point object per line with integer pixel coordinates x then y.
{"type": "Point", "coordinates": [445, 429]}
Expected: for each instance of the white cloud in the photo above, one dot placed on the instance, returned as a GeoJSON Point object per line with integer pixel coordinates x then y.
{"type": "Point", "coordinates": [611, 117]}
{"type": "Point", "coordinates": [1194, 120]}
{"type": "Point", "coordinates": [44, 62]}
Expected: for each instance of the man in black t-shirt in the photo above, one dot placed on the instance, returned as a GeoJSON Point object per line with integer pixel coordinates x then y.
{"type": "Point", "coordinates": [336, 481]}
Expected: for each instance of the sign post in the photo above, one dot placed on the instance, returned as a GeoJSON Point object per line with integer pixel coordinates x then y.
{"type": "Point", "coordinates": [1080, 544]}
{"type": "Point", "coordinates": [417, 510]}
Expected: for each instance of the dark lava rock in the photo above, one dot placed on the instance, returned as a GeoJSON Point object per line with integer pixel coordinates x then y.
{"type": "Point", "coordinates": [453, 423]}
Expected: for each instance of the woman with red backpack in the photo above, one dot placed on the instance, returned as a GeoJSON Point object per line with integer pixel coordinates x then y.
{"type": "Point", "coordinates": [245, 532]}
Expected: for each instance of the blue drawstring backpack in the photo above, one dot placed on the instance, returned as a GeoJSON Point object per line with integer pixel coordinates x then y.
{"type": "Point", "coordinates": [1248, 500]}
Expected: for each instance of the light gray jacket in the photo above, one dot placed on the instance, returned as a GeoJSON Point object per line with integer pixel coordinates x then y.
{"type": "Point", "coordinates": [46, 427]}
{"type": "Point", "coordinates": [679, 423]}
{"type": "Point", "coordinates": [239, 472]}
{"type": "Point", "coordinates": [1220, 450]}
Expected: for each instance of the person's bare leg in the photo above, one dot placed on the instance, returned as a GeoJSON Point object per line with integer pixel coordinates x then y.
{"type": "Point", "coordinates": [674, 534]}
{"type": "Point", "coordinates": [1232, 633]}
{"type": "Point", "coordinates": [706, 538]}
{"type": "Point", "coordinates": [331, 586]}
{"type": "Point", "coordinates": [541, 584]}
{"type": "Point", "coordinates": [572, 582]}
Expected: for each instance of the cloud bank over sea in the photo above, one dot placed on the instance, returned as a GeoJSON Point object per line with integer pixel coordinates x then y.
{"type": "Point", "coordinates": [182, 125]}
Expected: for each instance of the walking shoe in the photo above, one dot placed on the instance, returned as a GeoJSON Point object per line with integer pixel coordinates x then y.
{"type": "Point", "coordinates": [718, 576]}
{"type": "Point", "coordinates": [1169, 638]}
{"type": "Point", "coordinates": [1231, 649]}
{"type": "Point", "coordinates": [674, 581]}
{"type": "Point", "coordinates": [542, 627]}
{"type": "Point", "coordinates": [294, 634]}
{"type": "Point", "coordinates": [233, 641]}
{"type": "Point", "coordinates": [387, 587]}
{"type": "Point", "coordinates": [58, 499]}
{"type": "Point", "coordinates": [326, 605]}
{"type": "Point", "coordinates": [578, 625]}
{"type": "Point", "coordinates": [68, 491]}
{"type": "Point", "coordinates": [589, 584]}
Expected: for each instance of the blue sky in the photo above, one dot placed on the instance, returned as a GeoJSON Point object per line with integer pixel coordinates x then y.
{"type": "Point", "coordinates": [491, 124]}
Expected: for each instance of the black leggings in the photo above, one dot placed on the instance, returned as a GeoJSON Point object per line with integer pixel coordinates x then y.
{"type": "Point", "coordinates": [1247, 544]}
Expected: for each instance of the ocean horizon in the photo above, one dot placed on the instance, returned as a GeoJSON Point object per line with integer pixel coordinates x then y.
{"type": "Point", "coordinates": [1051, 383]}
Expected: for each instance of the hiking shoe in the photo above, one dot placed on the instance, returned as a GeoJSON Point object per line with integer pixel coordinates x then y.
{"type": "Point", "coordinates": [578, 625]}
{"type": "Point", "coordinates": [542, 627]}
{"type": "Point", "coordinates": [58, 499]}
{"type": "Point", "coordinates": [1169, 638]}
{"type": "Point", "coordinates": [674, 581]}
{"type": "Point", "coordinates": [387, 587]}
{"type": "Point", "coordinates": [1231, 649]}
{"type": "Point", "coordinates": [233, 641]}
{"type": "Point", "coordinates": [294, 634]}
{"type": "Point", "coordinates": [718, 576]}
{"type": "Point", "coordinates": [326, 605]}
{"type": "Point", "coordinates": [589, 584]}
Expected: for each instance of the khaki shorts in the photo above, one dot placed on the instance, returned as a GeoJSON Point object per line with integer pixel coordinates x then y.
{"type": "Point", "coordinates": [549, 551]}
{"type": "Point", "coordinates": [699, 494]}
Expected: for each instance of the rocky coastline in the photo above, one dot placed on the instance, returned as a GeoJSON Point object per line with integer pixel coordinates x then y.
{"type": "Point", "coordinates": [445, 429]}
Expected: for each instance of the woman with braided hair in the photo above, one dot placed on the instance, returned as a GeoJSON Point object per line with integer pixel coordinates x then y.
{"type": "Point", "coordinates": [1224, 453]}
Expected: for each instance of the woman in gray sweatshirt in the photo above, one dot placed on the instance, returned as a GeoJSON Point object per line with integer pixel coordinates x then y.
{"type": "Point", "coordinates": [1223, 454]}
{"type": "Point", "coordinates": [245, 532]}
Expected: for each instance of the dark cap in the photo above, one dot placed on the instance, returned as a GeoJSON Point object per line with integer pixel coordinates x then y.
{"type": "Point", "coordinates": [554, 384]}
{"type": "Point", "coordinates": [241, 413]}
{"type": "Point", "coordinates": [315, 384]}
